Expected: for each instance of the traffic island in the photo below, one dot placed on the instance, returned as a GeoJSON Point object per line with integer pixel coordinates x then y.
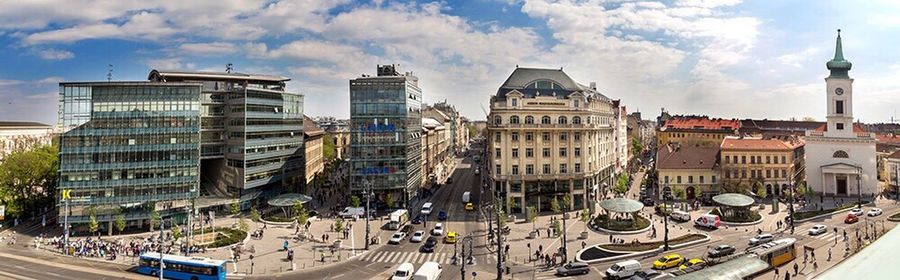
{"type": "Point", "coordinates": [894, 218]}
{"type": "Point", "coordinates": [610, 252]}
{"type": "Point", "coordinates": [803, 216]}
{"type": "Point", "coordinates": [751, 217]}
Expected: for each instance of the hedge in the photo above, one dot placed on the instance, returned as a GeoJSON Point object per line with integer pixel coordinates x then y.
{"type": "Point", "coordinates": [809, 214]}
{"type": "Point", "coordinates": [228, 237]}
{"type": "Point", "coordinates": [640, 246]}
{"type": "Point", "coordinates": [754, 216]}
{"type": "Point", "coordinates": [639, 223]}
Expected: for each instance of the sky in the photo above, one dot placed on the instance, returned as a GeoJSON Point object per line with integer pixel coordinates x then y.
{"type": "Point", "coordinates": [723, 58]}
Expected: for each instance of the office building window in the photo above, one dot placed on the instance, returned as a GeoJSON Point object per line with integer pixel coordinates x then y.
{"type": "Point", "coordinates": [839, 106]}
{"type": "Point", "coordinates": [529, 136]}
{"type": "Point", "coordinates": [546, 136]}
{"type": "Point", "coordinates": [529, 120]}
{"type": "Point", "coordinates": [546, 169]}
{"type": "Point", "coordinates": [768, 161]}
{"type": "Point", "coordinates": [546, 152]}
{"type": "Point", "coordinates": [515, 169]}
{"type": "Point", "coordinates": [514, 120]}
{"type": "Point", "coordinates": [784, 173]}
{"type": "Point", "coordinates": [667, 179]}
{"type": "Point", "coordinates": [514, 136]}
{"type": "Point", "coordinates": [768, 173]}
{"type": "Point", "coordinates": [497, 169]}
{"type": "Point", "coordinates": [727, 161]}
{"type": "Point", "coordinates": [577, 168]}
{"type": "Point", "coordinates": [577, 152]}
{"type": "Point", "coordinates": [497, 137]}
{"type": "Point", "coordinates": [563, 137]}
{"type": "Point", "coordinates": [783, 160]}
{"type": "Point", "coordinates": [701, 179]}
{"type": "Point", "coordinates": [678, 179]}
{"type": "Point", "coordinates": [529, 152]}
{"type": "Point", "coordinates": [840, 126]}
{"type": "Point", "coordinates": [497, 152]}
{"type": "Point", "coordinates": [545, 120]}
{"type": "Point", "coordinates": [690, 179]}
{"type": "Point", "coordinates": [515, 153]}
{"type": "Point", "coordinates": [713, 179]}
{"type": "Point", "coordinates": [577, 136]}
{"type": "Point", "coordinates": [515, 102]}
{"type": "Point", "coordinates": [743, 159]}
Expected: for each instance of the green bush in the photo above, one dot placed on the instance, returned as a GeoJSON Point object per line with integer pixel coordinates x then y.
{"type": "Point", "coordinates": [809, 214]}
{"type": "Point", "coordinates": [639, 223]}
{"type": "Point", "coordinates": [754, 216]}
{"type": "Point", "coordinates": [278, 217]}
{"type": "Point", "coordinates": [640, 247]}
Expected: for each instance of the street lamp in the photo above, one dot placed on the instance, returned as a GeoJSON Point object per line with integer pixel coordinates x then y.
{"type": "Point", "coordinates": [666, 218]}
{"type": "Point", "coordinates": [858, 187]}
{"type": "Point", "coordinates": [565, 247]}
{"type": "Point", "coordinates": [466, 260]}
{"type": "Point", "coordinates": [369, 192]}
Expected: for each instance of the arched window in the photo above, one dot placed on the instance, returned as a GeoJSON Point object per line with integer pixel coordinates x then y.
{"type": "Point", "coordinates": [576, 120]}
{"type": "Point", "coordinates": [514, 120]}
{"type": "Point", "coordinates": [840, 154]}
{"type": "Point", "coordinates": [529, 120]}
{"type": "Point", "coordinates": [563, 120]}
{"type": "Point", "coordinates": [498, 120]}
{"type": "Point", "coordinates": [545, 120]}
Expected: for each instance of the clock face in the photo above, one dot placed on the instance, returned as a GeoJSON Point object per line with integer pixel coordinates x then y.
{"type": "Point", "coordinates": [838, 91]}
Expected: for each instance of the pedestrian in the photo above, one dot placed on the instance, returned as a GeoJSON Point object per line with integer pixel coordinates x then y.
{"type": "Point", "coordinates": [796, 268]}
{"type": "Point", "coordinates": [776, 273]}
{"type": "Point", "coordinates": [540, 248]}
{"type": "Point", "coordinates": [815, 266]}
{"type": "Point", "coordinates": [812, 255]}
{"type": "Point", "coordinates": [583, 244]}
{"type": "Point", "coordinates": [787, 276]}
{"type": "Point", "coordinates": [829, 253]}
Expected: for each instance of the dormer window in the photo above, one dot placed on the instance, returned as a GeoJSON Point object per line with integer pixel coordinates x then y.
{"type": "Point", "coordinates": [543, 84]}
{"type": "Point", "coordinates": [576, 103]}
{"type": "Point", "coordinates": [515, 102]}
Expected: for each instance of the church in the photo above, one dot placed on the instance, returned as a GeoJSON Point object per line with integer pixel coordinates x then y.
{"type": "Point", "coordinates": [840, 155]}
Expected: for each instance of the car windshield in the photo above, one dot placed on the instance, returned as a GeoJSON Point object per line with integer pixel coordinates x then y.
{"type": "Point", "coordinates": [397, 235]}
{"type": "Point", "coordinates": [663, 259]}
{"type": "Point", "coordinates": [615, 267]}
{"type": "Point", "coordinates": [401, 273]}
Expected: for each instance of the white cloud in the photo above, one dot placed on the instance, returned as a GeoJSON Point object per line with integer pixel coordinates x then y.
{"type": "Point", "coordinates": [144, 25]}
{"type": "Point", "coordinates": [214, 48]}
{"type": "Point", "coordinates": [54, 54]}
{"type": "Point", "coordinates": [169, 64]}
{"type": "Point", "coordinates": [795, 59]}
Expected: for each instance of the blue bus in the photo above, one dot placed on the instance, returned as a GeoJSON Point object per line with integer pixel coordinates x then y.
{"type": "Point", "coordinates": [183, 268]}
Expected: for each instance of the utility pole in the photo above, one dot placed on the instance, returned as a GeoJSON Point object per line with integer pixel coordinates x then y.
{"type": "Point", "coordinates": [666, 218]}
{"type": "Point", "coordinates": [369, 191]}
{"type": "Point", "coordinates": [65, 197]}
{"type": "Point", "coordinates": [161, 266]}
{"type": "Point", "coordinates": [564, 246]}
{"type": "Point", "coordinates": [190, 227]}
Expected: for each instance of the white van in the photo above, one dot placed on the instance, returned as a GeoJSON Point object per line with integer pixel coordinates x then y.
{"type": "Point", "coordinates": [426, 208]}
{"type": "Point", "coordinates": [467, 197]}
{"type": "Point", "coordinates": [428, 271]}
{"type": "Point", "coordinates": [404, 272]}
{"type": "Point", "coordinates": [680, 216]}
{"type": "Point", "coordinates": [708, 221]}
{"type": "Point", "coordinates": [623, 269]}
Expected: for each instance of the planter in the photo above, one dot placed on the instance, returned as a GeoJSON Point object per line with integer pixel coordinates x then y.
{"type": "Point", "coordinates": [584, 235]}
{"type": "Point", "coordinates": [532, 235]}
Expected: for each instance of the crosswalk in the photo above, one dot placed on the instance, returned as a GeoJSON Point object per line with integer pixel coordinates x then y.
{"type": "Point", "coordinates": [415, 257]}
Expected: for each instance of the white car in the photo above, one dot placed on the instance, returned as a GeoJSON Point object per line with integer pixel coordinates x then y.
{"type": "Point", "coordinates": [397, 237]}
{"type": "Point", "coordinates": [404, 272]}
{"type": "Point", "coordinates": [417, 236]}
{"type": "Point", "coordinates": [762, 238]}
{"type": "Point", "coordinates": [818, 229]}
{"type": "Point", "coordinates": [438, 229]}
{"type": "Point", "coordinates": [856, 212]}
{"type": "Point", "coordinates": [874, 212]}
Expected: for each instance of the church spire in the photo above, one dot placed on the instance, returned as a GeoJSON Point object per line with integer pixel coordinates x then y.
{"type": "Point", "coordinates": [838, 65]}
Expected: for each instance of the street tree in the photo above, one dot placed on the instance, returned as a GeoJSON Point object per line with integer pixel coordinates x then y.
{"type": "Point", "coordinates": [389, 200]}
{"type": "Point", "coordinates": [94, 226]}
{"type": "Point", "coordinates": [120, 223]}
{"type": "Point", "coordinates": [242, 224]}
{"type": "Point", "coordinates": [679, 193]}
{"type": "Point", "coordinates": [760, 191]}
{"type": "Point", "coordinates": [235, 208]}
{"type": "Point", "coordinates": [513, 203]}
{"type": "Point", "coordinates": [566, 201]}
{"type": "Point", "coordinates": [176, 232]}
{"type": "Point", "coordinates": [531, 216]}
{"type": "Point", "coordinates": [621, 184]}
{"type": "Point", "coordinates": [329, 150]}
{"type": "Point", "coordinates": [554, 205]}
{"type": "Point", "coordinates": [254, 214]}
{"type": "Point", "coordinates": [585, 218]}
{"type": "Point", "coordinates": [300, 213]}
{"type": "Point", "coordinates": [28, 179]}
{"type": "Point", "coordinates": [339, 225]}
{"type": "Point", "coordinates": [636, 147]}
{"type": "Point", "coordinates": [355, 201]}
{"type": "Point", "coordinates": [154, 219]}
{"type": "Point", "coordinates": [502, 214]}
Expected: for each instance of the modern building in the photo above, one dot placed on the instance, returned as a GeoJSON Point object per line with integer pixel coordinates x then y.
{"type": "Point", "coordinates": [753, 163]}
{"type": "Point", "coordinates": [550, 137]}
{"type": "Point", "coordinates": [129, 148]}
{"type": "Point", "coordinates": [691, 170]}
{"type": "Point", "coordinates": [251, 135]}
{"type": "Point", "coordinates": [696, 130]}
{"type": "Point", "coordinates": [385, 127]}
{"type": "Point", "coordinates": [314, 155]}
{"type": "Point", "coordinates": [17, 136]}
{"type": "Point", "coordinates": [840, 156]}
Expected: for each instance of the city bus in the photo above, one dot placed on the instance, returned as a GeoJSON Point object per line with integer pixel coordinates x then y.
{"type": "Point", "coordinates": [183, 268]}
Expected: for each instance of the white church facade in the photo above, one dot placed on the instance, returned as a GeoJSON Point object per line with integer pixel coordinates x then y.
{"type": "Point", "coordinates": [840, 156]}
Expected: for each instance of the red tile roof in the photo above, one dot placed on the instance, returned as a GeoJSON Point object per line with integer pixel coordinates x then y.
{"type": "Point", "coordinates": [895, 155]}
{"type": "Point", "coordinates": [887, 139]}
{"type": "Point", "coordinates": [856, 128]}
{"type": "Point", "coordinates": [704, 123]}
{"type": "Point", "coordinates": [687, 157]}
{"type": "Point", "coordinates": [755, 144]}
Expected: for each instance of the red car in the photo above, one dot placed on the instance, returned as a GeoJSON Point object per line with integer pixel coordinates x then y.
{"type": "Point", "coordinates": [851, 219]}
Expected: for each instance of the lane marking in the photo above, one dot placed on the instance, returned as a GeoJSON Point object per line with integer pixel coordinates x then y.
{"type": "Point", "coordinates": [15, 276]}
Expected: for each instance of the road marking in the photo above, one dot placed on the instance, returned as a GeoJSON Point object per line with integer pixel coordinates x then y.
{"type": "Point", "coordinates": [383, 256]}
{"type": "Point", "coordinates": [410, 257]}
{"type": "Point", "coordinates": [14, 276]}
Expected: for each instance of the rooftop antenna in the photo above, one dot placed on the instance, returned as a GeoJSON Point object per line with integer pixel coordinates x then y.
{"type": "Point", "coordinates": [109, 73]}
{"type": "Point", "coordinates": [229, 67]}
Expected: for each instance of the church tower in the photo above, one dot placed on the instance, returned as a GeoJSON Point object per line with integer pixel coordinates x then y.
{"type": "Point", "coordinates": [839, 89]}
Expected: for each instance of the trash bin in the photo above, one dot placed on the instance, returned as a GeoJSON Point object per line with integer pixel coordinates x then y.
{"type": "Point", "coordinates": [337, 244]}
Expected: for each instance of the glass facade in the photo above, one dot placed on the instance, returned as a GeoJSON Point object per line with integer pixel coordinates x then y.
{"type": "Point", "coordinates": [129, 147]}
{"type": "Point", "coordinates": [386, 126]}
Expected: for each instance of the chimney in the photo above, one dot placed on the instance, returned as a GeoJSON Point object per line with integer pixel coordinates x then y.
{"type": "Point", "coordinates": [594, 85]}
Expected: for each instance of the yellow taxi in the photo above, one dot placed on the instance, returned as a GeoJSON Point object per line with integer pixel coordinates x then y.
{"type": "Point", "coordinates": [692, 262]}
{"type": "Point", "coordinates": [470, 206]}
{"type": "Point", "coordinates": [451, 237]}
{"type": "Point", "coordinates": [668, 261]}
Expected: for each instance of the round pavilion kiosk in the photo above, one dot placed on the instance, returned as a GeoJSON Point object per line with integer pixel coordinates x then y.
{"type": "Point", "coordinates": [621, 215]}
{"type": "Point", "coordinates": [735, 208]}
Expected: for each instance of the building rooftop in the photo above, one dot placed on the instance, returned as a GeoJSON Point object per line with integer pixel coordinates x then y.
{"type": "Point", "coordinates": [894, 155]}
{"type": "Point", "coordinates": [735, 143]}
{"type": "Point", "coordinates": [164, 75]}
{"type": "Point", "coordinates": [22, 124]}
{"type": "Point", "coordinates": [310, 128]}
{"type": "Point", "coordinates": [687, 157]}
{"type": "Point", "coordinates": [522, 78]}
{"type": "Point", "coordinates": [766, 124]}
{"type": "Point", "coordinates": [701, 123]}
{"type": "Point", "coordinates": [857, 128]}
{"type": "Point", "coordinates": [429, 123]}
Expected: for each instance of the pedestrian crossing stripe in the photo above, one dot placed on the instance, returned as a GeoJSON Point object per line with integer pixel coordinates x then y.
{"type": "Point", "coordinates": [411, 257]}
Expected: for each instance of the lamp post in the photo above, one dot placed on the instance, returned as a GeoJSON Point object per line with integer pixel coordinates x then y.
{"type": "Point", "coordinates": [858, 187]}
{"type": "Point", "coordinates": [465, 259]}
{"type": "Point", "coordinates": [666, 219]}
{"type": "Point", "coordinates": [369, 192]}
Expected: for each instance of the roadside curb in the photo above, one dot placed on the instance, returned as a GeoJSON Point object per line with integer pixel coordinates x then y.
{"type": "Point", "coordinates": [822, 215]}
{"type": "Point", "coordinates": [600, 229]}
{"type": "Point", "coordinates": [75, 267]}
{"type": "Point", "coordinates": [628, 254]}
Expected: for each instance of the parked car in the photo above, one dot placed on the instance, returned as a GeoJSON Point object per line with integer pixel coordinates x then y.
{"type": "Point", "coordinates": [647, 201]}
{"type": "Point", "coordinates": [442, 216]}
{"type": "Point", "coordinates": [426, 208]}
{"type": "Point", "coordinates": [397, 237]}
{"type": "Point", "coordinates": [693, 263]}
{"type": "Point", "coordinates": [623, 269]}
{"type": "Point", "coordinates": [851, 219]}
{"type": "Point", "coordinates": [761, 239]}
{"type": "Point", "coordinates": [404, 272]}
{"type": "Point", "coordinates": [438, 229]}
{"type": "Point", "coordinates": [668, 261]}
{"type": "Point", "coordinates": [429, 271]}
{"type": "Point", "coordinates": [720, 251]}
{"type": "Point", "coordinates": [680, 216]}
{"type": "Point", "coordinates": [818, 229]}
{"type": "Point", "coordinates": [646, 275]}
{"type": "Point", "coordinates": [874, 212]}
{"type": "Point", "coordinates": [417, 236]}
{"type": "Point", "coordinates": [573, 268]}
{"type": "Point", "coordinates": [417, 220]}
{"type": "Point", "coordinates": [429, 245]}
{"type": "Point", "coordinates": [856, 212]}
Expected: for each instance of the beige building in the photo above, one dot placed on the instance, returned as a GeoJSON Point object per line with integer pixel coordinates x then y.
{"type": "Point", "coordinates": [314, 149]}
{"type": "Point", "coordinates": [696, 130]}
{"type": "Point", "coordinates": [892, 172]}
{"type": "Point", "coordinates": [691, 170]}
{"type": "Point", "coordinates": [550, 137]}
{"type": "Point", "coordinates": [437, 154]}
{"type": "Point", "coordinates": [754, 163]}
{"type": "Point", "coordinates": [23, 135]}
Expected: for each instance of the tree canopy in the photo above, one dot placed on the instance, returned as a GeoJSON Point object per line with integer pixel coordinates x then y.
{"type": "Point", "coordinates": [28, 179]}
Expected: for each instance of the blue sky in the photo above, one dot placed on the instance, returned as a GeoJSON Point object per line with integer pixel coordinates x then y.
{"type": "Point", "coordinates": [724, 58]}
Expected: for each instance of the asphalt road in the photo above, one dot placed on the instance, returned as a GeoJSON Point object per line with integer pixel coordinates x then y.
{"type": "Point", "coordinates": [20, 263]}
{"type": "Point", "coordinates": [381, 262]}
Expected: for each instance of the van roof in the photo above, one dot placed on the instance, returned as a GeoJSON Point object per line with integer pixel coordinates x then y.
{"type": "Point", "coordinates": [406, 266]}
{"type": "Point", "coordinates": [623, 263]}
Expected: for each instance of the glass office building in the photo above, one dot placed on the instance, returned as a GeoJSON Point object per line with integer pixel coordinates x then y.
{"type": "Point", "coordinates": [251, 136]}
{"type": "Point", "coordinates": [385, 131]}
{"type": "Point", "coordinates": [128, 148]}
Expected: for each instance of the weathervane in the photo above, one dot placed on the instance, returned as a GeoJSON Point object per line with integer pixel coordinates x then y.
{"type": "Point", "coordinates": [109, 73]}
